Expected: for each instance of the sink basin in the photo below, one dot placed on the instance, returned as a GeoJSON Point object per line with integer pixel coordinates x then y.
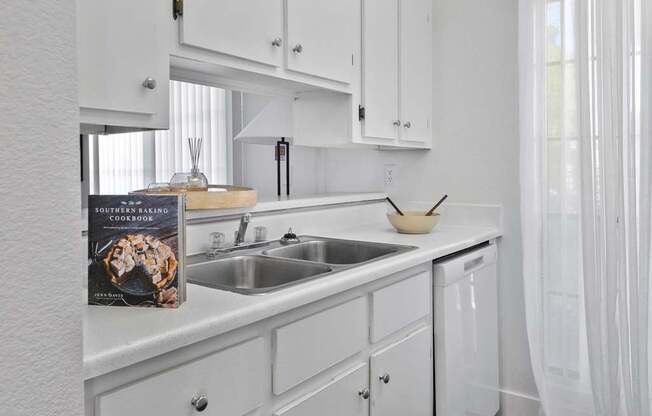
{"type": "Point", "coordinates": [334, 252]}
{"type": "Point", "coordinates": [253, 274]}
{"type": "Point", "coordinates": [261, 268]}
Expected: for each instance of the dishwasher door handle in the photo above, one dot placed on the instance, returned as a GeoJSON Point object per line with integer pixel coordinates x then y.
{"type": "Point", "coordinates": [473, 263]}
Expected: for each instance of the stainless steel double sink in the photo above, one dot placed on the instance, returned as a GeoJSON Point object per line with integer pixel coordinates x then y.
{"type": "Point", "coordinates": [272, 267]}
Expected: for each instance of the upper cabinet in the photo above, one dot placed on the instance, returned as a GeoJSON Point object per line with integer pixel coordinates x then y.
{"type": "Point", "coordinates": [397, 72]}
{"type": "Point", "coordinates": [391, 102]}
{"type": "Point", "coordinates": [295, 45]}
{"type": "Point", "coordinates": [320, 38]}
{"type": "Point", "coordinates": [380, 65]}
{"type": "Point", "coordinates": [248, 29]}
{"type": "Point", "coordinates": [415, 81]}
{"type": "Point", "coordinates": [359, 70]}
{"type": "Point", "coordinates": [123, 63]}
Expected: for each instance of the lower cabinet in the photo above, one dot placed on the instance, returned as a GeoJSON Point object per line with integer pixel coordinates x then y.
{"type": "Point", "coordinates": [224, 383]}
{"type": "Point", "coordinates": [318, 360]}
{"type": "Point", "coordinates": [401, 377]}
{"type": "Point", "coordinates": [311, 345]}
{"type": "Point", "coordinates": [346, 395]}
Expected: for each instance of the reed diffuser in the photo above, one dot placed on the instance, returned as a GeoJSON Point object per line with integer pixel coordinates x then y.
{"type": "Point", "coordinates": [195, 180]}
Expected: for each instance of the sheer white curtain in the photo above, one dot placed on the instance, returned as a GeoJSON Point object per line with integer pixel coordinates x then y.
{"type": "Point", "coordinates": [585, 71]}
{"type": "Point", "coordinates": [130, 161]}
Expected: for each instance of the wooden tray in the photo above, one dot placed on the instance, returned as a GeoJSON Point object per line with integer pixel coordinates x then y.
{"type": "Point", "coordinates": [217, 197]}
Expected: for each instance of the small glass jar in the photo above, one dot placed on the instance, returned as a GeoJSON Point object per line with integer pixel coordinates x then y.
{"type": "Point", "coordinates": [197, 181]}
{"type": "Point", "coordinates": [260, 234]}
{"type": "Point", "coordinates": [216, 240]}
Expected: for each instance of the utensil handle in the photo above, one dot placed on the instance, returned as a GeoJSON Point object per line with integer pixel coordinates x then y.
{"type": "Point", "coordinates": [429, 213]}
{"type": "Point", "coordinates": [395, 207]}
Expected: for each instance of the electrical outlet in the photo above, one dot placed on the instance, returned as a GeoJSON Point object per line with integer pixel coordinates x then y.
{"type": "Point", "coordinates": [390, 175]}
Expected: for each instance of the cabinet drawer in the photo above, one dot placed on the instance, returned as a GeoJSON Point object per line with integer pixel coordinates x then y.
{"type": "Point", "coordinates": [313, 344]}
{"type": "Point", "coordinates": [339, 397]}
{"type": "Point", "coordinates": [398, 305]}
{"type": "Point", "coordinates": [231, 379]}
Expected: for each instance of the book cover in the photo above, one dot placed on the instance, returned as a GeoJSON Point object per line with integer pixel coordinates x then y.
{"type": "Point", "coordinates": [136, 250]}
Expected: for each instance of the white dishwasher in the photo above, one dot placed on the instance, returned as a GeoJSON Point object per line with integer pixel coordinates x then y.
{"type": "Point", "coordinates": [466, 333]}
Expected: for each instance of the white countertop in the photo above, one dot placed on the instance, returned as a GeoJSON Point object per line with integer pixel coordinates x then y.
{"type": "Point", "coordinates": [117, 337]}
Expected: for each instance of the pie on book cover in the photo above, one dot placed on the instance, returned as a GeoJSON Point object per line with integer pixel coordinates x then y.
{"type": "Point", "coordinates": [136, 250]}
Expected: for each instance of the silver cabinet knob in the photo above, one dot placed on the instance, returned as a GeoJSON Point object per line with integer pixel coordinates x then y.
{"type": "Point", "coordinates": [397, 123]}
{"type": "Point", "coordinates": [407, 125]}
{"type": "Point", "coordinates": [384, 378]}
{"type": "Point", "coordinates": [364, 393]}
{"type": "Point", "coordinates": [298, 48]}
{"type": "Point", "coordinates": [199, 402]}
{"type": "Point", "coordinates": [149, 83]}
{"type": "Point", "coordinates": [277, 42]}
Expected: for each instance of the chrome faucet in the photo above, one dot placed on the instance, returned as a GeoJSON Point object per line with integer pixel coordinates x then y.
{"type": "Point", "coordinates": [242, 229]}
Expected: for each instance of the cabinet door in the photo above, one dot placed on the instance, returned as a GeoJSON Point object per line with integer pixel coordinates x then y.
{"type": "Point", "coordinates": [416, 71]}
{"type": "Point", "coordinates": [380, 69]}
{"type": "Point", "coordinates": [121, 43]}
{"type": "Point", "coordinates": [401, 377]}
{"type": "Point", "coordinates": [321, 37]}
{"type": "Point", "coordinates": [243, 28]}
{"type": "Point", "coordinates": [339, 397]}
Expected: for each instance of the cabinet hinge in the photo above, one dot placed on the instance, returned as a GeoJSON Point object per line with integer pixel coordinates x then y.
{"type": "Point", "coordinates": [177, 8]}
{"type": "Point", "coordinates": [361, 112]}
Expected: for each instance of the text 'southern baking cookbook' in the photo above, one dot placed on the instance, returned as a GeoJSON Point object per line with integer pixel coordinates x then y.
{"type": "Point", "coordinates": [136, 246]}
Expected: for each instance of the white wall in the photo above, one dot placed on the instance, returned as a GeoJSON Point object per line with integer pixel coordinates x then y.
{"type": "Point", "coordinates": [312, 170]}
{"type": "Point", "coordinates": [40, 299]}
{"type": "Point", "coordinates": [475, 153]}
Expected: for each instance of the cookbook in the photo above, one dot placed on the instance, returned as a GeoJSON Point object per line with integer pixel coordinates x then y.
{"type": "Point", "coordinates": [136, 247]}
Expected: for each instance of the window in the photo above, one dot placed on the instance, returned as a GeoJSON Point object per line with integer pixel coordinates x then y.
{"type": "Point", "coordinates": [120, 163]}
{"type": "Point", "coordinates": [569, 69]}
{"type": "Point", "coordinates": [564, 310]}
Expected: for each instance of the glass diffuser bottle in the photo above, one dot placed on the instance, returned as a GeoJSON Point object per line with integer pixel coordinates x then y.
{"type": "Point", "coordinates": [195, 180]}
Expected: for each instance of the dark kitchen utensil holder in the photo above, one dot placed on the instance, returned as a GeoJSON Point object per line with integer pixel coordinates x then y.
{"type": "Point", "coordinates": [279, 144]}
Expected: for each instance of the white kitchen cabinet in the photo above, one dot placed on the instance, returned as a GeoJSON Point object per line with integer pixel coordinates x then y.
{"type": "Point", "coordinates": [228, 380]}
{"type": "Point", "coordinates": [396, 73]}
{"type": "Point", "coordinates": [248, 29]}
{"type": "Point", "coordinates": [274, 46]}
{"type": "Point", "coordinates": [416, 71]}
{"type": "Point", "coordinates": [123, 63]}
{"type": "Point", "coordinates": [398, 305]}
{"type": "Point", "coordinates": [321, 36]}
{"type": "Point", "coordinates": [380, 69]}
{"type": "Point", "coordinates": [342, 396]}
{"type": "Point", "coordinates": [317, 359]}
{"type": "Point", "coordinates": [313, 344]}
{"type": "Point", "coordinates": [401, 377]}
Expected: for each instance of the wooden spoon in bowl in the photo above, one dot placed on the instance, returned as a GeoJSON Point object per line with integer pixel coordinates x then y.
{"type": "Point", "coordinates": [429, 213]}
{"type": "Point", "coordinates": [395, 207]}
